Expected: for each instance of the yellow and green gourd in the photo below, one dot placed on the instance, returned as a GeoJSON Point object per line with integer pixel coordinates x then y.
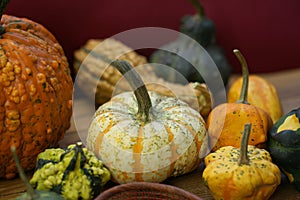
{"type": "Point", "coordinates": [30, 193]}
{"type": "Point", "coordinates": [74, 173]}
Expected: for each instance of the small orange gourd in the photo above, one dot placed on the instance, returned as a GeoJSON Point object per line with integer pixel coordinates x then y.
{"type": "Point", "coordinates": [35, 91]}
{"type": "Point", "coordinates": [225, 123]}
{"type": "Point", "coordinates": [261, 93]}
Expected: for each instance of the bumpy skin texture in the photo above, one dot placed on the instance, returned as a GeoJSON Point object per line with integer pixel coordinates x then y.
{"type": "Point", "coordinates": [75, 173]}
{"type": "Point", "coordinates": [35, 92]}
{"type": "Point", "coordinates": [229, 181]}
{"type": "Point", "coordinates": [171, 143]}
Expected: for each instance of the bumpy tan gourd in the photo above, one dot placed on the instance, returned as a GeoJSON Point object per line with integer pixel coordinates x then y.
{"type": "Point", "coordinates": [95, 59]}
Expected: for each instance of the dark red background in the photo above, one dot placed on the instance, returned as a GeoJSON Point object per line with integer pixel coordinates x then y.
{"type": "Point", "coordinates": [267, 32]}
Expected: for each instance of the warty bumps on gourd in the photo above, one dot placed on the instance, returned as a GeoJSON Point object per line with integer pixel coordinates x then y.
{"type": "Point", "coordinates": [35, 92]}
{"type": "Point", "coordinates": [75, 173]}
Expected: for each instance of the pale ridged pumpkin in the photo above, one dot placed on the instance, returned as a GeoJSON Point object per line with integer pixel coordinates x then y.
{"type": "Point", "coordinates": [35, 92]}
{"type": "Point", "coordinates": [145, 136]}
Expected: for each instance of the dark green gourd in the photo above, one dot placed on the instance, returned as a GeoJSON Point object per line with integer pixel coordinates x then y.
{"type": "Point", "coordinates": [32, 194]}
{"type": "Point", "coordinates": [284, 145]}
{"type": "Point", "coordinates": [202, 30]}
{"type": "Point", "coordinates": [198, 26]}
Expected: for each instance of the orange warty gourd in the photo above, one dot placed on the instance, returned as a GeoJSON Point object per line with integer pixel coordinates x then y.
{"type": "Point", "coordinates": [261, 93]}
{"type": "Point", "coordinates": [35, 92]}
{"type": "Point", "coordinates": [225, 122]}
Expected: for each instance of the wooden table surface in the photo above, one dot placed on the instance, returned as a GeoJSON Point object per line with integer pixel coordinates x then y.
{"type": "Point", "coordinates": [287, 84]}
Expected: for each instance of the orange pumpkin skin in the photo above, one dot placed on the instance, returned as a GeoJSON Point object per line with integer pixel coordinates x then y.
{"type": "Point", "coordinates": [261, 93]}
{"type": "Point", "coordinates": [225, 125]}
{"type": "Point", "coordinates": [35, 92]}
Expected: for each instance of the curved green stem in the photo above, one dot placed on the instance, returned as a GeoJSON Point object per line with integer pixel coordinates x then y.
{"type": "Point", "coordinates": [199, 7]}
{"type": "Point", "coordinates": [243, 158]}
{"type": "Point", "coordinates": [140, 91]}
{"type": "Point", "coordinates": [244, 91]}
{"type": "Point", "coordinates": [30, 190]}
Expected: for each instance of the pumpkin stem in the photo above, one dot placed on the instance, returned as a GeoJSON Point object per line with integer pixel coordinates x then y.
{"type": "Point", "coordinates": [244, 91]}
{"type": "Point", "coordinates": [243, 158]}
{"type": "Point", "coordinates": [138, 86]}
{"type": "Point", "coordinates": [30, 191]}
{"type": "Point", "coordinates": [199, 7]}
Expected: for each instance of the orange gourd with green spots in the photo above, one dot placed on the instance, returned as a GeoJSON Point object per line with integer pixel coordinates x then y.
{"type": "Point", "coordinates": [261, 93]}
{"type": "Point", "coordinates": [226, 121]}
{"type": "Point", "coordinates": [35, 92]}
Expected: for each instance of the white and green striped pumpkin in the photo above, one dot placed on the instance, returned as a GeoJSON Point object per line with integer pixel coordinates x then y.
{"type": "Point", "coordinates": [143, 136]}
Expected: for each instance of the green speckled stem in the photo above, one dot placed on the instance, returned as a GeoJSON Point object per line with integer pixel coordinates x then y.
{"type": "Point", "coordinates": [243, 158]}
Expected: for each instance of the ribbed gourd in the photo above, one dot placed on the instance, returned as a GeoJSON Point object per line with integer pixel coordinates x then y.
{"type": "Point", "coordinates": [35, 91]}
{"type": "Point", "coordinates": [94, 58]}
{"type": "Point", "coordinates": [145, 136]}
{"type": "Point", "coordinates": [246, 172]}
{"type": "Point", "coordinates": [74, 173]}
